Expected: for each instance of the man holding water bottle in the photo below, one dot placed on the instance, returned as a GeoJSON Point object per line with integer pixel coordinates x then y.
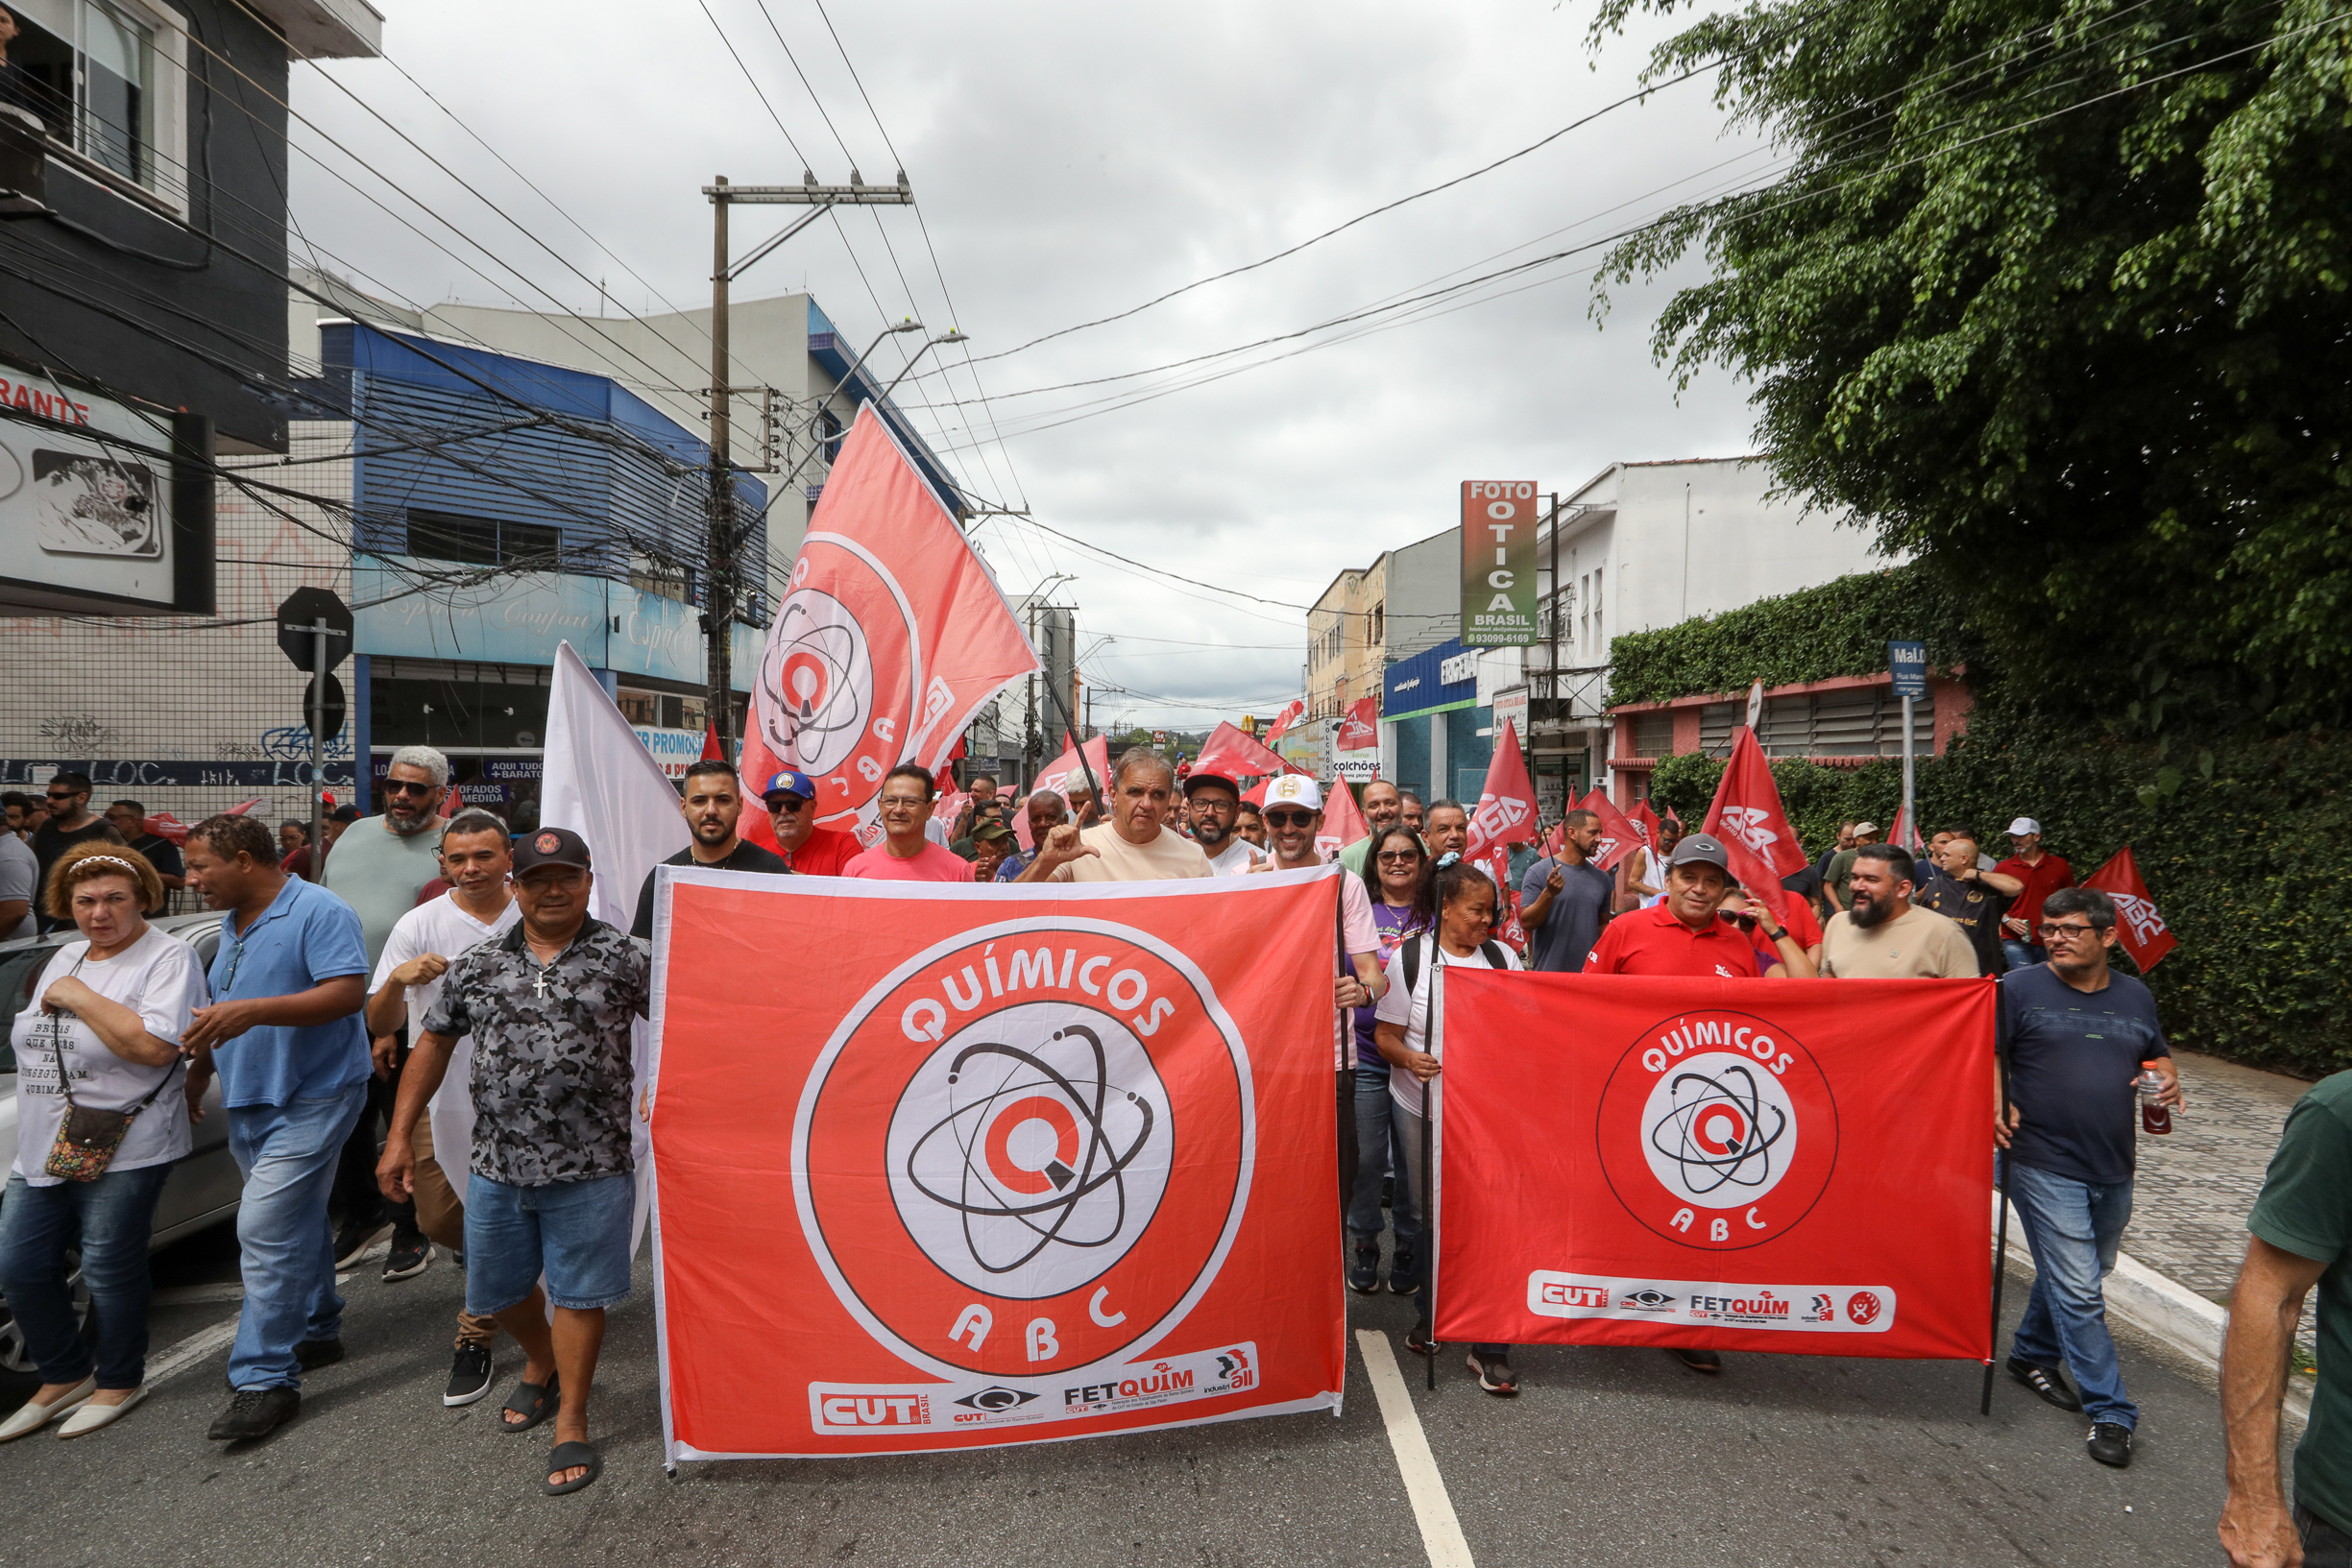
{"type": "Point", "coordinates": [2080, 1038]}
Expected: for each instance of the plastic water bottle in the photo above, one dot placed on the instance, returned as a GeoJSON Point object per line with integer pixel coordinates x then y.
{"type": "Point", "coordinates": [2154, 1116]}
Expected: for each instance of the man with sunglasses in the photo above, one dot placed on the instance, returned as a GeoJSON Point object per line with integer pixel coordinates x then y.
{"type": "Point", "coordinates": [2078, 1035]}
{"type": "Point", "coordinates": [1213, 804]}
{"type": "Point", "coordinates": [809, 850]}
{"type": "Point", "coordinates": [71, 822]}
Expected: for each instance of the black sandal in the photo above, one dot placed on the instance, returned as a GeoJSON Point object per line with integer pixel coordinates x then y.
{"type": "Point", "coordinates": [571, 1457]}
{"type": "Point", "coordinates": [545, 1398]}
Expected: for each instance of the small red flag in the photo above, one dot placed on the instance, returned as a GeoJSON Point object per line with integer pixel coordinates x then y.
{"type": "Point", "coordinates": [1645, 822]}
{"type": "Point", "coordinates": [1068, 780]}
{"type": "Point", "coordinates": [1747, 816]}
{"type": "Point", "coordinates": [711, 750]}
{"type": "Point", "coordinates": [1360, 728]}
{"type": "Point", "coordinates": [453, 803]}
{"type": "Point", "coordinates": [1506, 815]}
{"type": "Point", "coordinates": [1230, 753]}
{"type": "Point", "coordinates": [1286, 719]}
{"type": "Point", "coordinates": [2144, 932]}
{"type": "Point", "coordinates": [1255, 794]}
{"type": "Point", "coordinates": [1342, 824]}
{"type": "Point", "coordinates": [1619, 837]}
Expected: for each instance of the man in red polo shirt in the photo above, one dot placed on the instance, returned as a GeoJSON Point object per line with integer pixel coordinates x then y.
{"type": "Point", "coordinates": [810, 851]}
{"type": "Point", "coordinates": [1683, 933]}
{"type": "Point", "coordinates": [2043, 874]}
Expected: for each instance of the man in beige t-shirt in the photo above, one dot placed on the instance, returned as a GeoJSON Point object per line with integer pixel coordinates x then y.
{"type": "Point", "coordinates": [1883, 936]}
{"type": "Point", "coordinates": [1135, 845]}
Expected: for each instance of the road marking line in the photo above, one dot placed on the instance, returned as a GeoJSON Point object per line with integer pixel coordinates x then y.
{"type": "Point", "coordinates": [1432, 1508]}
{"type": "Point", "coordinates": [197, 1295]}
{"type": "Point", "coordinates": [191, 1350]}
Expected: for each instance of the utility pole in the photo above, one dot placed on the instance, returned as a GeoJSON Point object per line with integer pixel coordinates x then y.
{"type": "Point", "coordinates": [720, 568]}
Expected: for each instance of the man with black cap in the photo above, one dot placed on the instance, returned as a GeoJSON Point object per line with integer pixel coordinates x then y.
{"type": "Point", "coordinates": [714, 803]}
{"type": "Point", "coordinates": [549, 1005]}
{"type": "Point", "coordinates": [1212, 803]}
{"type": "Point", "coordinates": [1685, 933]}
{"type": "Point", "coordinates": [809, 850]}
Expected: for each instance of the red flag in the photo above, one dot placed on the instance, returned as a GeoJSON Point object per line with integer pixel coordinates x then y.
{"type": "Point", "coordinates": [1746, 815]}
{"type": "Point", "coordinates": [1360, 728]}
{"type": "Point", "coordinates": [1286, 719]}
{"type": "Point", "coordinates": [1645, 822]}
{"type": "Point", "coordinates": [243, 806]}
{"type": "Point", "coordinates": [1904, 835]}
{"type": "Point", "coordinates": [1506, 815]}
{"type": "Point", "coordinates": [1255, 794]}
{"type": "Point", "coordinates": [1788, 1168]}
{"type": "Point", "coordinates": [891, 637]}
{"type": "Point", "coordinates": [949, 805]}
{"type": "Point", "coordinates": [1182, 1267]}
{"type": "Point", "coordinates": [1068, 780]}
{"type": "Point", "coordinates": [2142, 928]}
{"type": "Point", "coordinates": [453, 803]}
{"type": "Point", "coordinates": [1342, 824]}
{"type": "Point", "coordinates": [711, 750]}
{"type": "Point", "coordinates": [1619, 837]}
{"type": "Point", "coordinates": [165, 826]}
{"type": "Point", "coordinates": [1229, 752]}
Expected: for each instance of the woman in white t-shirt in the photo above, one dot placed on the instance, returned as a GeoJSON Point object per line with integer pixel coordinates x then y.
{"type": "Point", "coordinates": [100, 1033]}
{"type": "Point", "coordinates": [1457, 901]}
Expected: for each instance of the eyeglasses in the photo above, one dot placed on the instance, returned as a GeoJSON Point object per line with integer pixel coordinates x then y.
{"type": "Point", "coordinates": [2049, 928]}
{"type": "Point", "coordinates": [1398, 857]}
{"type": "Point", "coordinates": [902, 803]}
{"type": "Point", "coordinates": [1289, 819]}
{"type": "Point", "coordinates": [408, 787]}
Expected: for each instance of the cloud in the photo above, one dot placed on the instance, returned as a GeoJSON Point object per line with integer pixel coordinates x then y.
{"type": "Point", "coordinates": [1071, 161]}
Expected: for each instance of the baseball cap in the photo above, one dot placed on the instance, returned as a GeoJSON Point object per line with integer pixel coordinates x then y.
{"type": "Point", "coordinates": [1294, 790]}
{"type": "Point", "coordinates": [1195, 781]}
{"type": "Point", "coordinates": [551, 847]}
{"type": "Point", "coordinates": [1865, 827]}
{"type": "Point", "coordinates": [991, 832]}
{"type": "Point", "coordinates": [344, 813]}
{"type": "Point", "coordinates": [1703, 849]}
{"type": "Point", "coordinates": [2024, 826]}
{"type": "Point", "coordinates": [789, 783]}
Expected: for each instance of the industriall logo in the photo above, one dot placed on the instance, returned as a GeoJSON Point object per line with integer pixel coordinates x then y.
{"type": "Point", "coordinates": [818, 705]}
{"type": "Point", "coordinates": [1027, 1150]}
{"type": "Point", "coordinates": [1717, 1130]}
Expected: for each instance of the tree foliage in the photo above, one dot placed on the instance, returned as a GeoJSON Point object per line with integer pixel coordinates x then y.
{"type": "Point", "coordinates": [2055, 293]}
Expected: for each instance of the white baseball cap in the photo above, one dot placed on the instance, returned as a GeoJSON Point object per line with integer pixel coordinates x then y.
{"type": "Point", "coordinates": [1294, 790]}
{"type": "Point", "coordinates": [2024, 826]}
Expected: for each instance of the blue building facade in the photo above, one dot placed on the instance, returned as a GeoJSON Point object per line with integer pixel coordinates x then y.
{"type": "Point", "coordinates": [1442, 738]}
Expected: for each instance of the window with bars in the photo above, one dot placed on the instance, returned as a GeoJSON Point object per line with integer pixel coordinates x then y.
{"type": "Point", "coordinates": [1857, 721]}
{"type": "Point", "coordinates": [485, 542]}
{"type": "Point", "coordinates": [1654, 734]}
{"type": "Point", "coordinates": [1716, 722]}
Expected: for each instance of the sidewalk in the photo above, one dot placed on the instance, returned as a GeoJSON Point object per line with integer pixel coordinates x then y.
{"type": "Point", "coordinates": [2195, 1187]}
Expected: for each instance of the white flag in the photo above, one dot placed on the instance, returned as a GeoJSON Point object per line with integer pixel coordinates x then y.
{"type": "Point", "coordinates": [600, 782]}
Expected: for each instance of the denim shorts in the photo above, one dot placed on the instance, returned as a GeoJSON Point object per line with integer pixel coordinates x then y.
{"type": "Point", "coordinates": [576, 1233]}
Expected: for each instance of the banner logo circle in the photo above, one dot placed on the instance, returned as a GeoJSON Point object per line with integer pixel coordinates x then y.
{"type": "Point", "coordinates": [822, 706]}
{"type": "Point", "coordinates": [1717, 1130]}
{"type": "Point", "coordinates": [1027, 1149]}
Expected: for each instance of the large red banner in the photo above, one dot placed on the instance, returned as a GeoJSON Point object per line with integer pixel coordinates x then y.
{"type": "Point", "coordinates": [1735, 1165]}
{"type": "Point", "coordinates": [1015, 1164]}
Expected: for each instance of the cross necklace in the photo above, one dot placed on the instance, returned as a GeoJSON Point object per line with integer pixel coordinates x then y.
{"type": "Point", "coordinates": [539, 981]}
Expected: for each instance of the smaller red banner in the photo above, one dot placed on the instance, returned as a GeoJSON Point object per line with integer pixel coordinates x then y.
{"type": "Point", "coordinates": [2141, 927]}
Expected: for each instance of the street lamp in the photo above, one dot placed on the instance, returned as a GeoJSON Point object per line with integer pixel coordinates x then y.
{"type": "Point", "coordinates": [951, 335]}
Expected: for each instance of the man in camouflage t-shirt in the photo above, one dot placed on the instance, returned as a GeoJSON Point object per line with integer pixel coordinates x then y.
{"type": "Point", "coordinates": [549, 1005]}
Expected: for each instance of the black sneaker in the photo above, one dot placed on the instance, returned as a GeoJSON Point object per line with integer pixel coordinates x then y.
{"type": "Point", "coordinates": [1698, 1361]}
{"type": "Point", "coordinates": [1494, 1374]}
{"type": "Point", "coordinates": [1404, 1274]}
{"type": "Point", "coordinates": [312, 1354]}
{"type": "Point", "coordinates": [2110, 1444]}
{"type": "Point", "coordinates": [409, 1256]}
{"type": "Point", "coordinates": [469, 1376]}
{"type": "Point", "coordinates": [2045, 1381]}
{"type": "Point", "coordinates": [1363, 1274]}
{"type": "Point", "coordinates": [256, 1412]}
{"type": "Point", "coordinates": [1419, 1341]}
{"type": "Point", "coordinates": [352, 1240]}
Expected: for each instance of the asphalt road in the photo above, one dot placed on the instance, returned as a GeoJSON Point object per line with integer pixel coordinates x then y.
{"type": "Point", "coordinates": [1608, 1457]}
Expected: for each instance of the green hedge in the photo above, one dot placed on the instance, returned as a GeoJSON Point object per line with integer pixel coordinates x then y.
{"type": "Point", "coordinates": [1840, 628]}
{"type": "Point", "coordinates": [2247, 862]}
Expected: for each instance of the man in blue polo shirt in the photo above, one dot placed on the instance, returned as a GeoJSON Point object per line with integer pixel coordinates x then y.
{"type": "Point", "coordinates": [285, 1036]}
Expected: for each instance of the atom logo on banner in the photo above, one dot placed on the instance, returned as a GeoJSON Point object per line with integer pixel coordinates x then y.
{"type": "Point", "coordinates": [825, 712]}
{"type": "Point", "coordinates": [1717, 1131]}
{"type": "Point", "coordinates": [1056, 1199]}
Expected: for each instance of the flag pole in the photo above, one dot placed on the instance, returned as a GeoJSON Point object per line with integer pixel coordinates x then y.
{"type": "Point", "coordinates": [1429, 1121]}
{"type": "Point", "coordinates": [2001, 1236]}
{"type": "Point", "coordinates": [1077, 742]}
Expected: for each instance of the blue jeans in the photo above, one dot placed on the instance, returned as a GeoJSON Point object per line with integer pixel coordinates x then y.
{"type": "Point", "coordinates": [574, 1234]}
{"type": "Point", "coordinates": [287, 1153]}
{"type": "Point", "coordinates": [2023, 955]}
{"type": "Point", "coordinates": [2073, 1229]}
{"type": "Point", "coordinates": [114, 1217]}
{"type": "Point", "coordinates": [1380, 1149]}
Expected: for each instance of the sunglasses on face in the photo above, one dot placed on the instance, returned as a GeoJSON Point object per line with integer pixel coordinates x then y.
{"type": "Point", "coordinates": [66, 796]}
{"type": "Point", "coordinates": [785, 804]}
{"type": "Point", "coordinates": [1398, 857]}
{"type": "Point", "coordinates": [406, 786]}
{"type": "Point", "coordinates": [1289, 819]}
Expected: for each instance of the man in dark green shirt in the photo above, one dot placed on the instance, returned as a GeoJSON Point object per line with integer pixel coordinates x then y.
{"type": "Point", "coordinates": [2302, 1226]}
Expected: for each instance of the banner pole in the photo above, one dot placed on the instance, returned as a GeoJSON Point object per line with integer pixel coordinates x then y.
{"type": "Point", "coordinates": [2001, 1236]}
{"type": "Point", "coordinates": [1429, 1121]}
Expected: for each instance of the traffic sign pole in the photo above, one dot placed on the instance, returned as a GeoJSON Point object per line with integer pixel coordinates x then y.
{"type": "Point", "coordinates": [1908, 664]}
{"type": "Point", "coordinates": [320, 631]}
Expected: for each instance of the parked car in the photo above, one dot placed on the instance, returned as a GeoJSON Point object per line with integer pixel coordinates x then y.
{"type": "Point", "coordinates": [203, 1189]}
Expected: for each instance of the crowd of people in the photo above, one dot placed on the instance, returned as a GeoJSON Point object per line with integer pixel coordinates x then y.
{"type": "Point", "coordinates": [432, 988]}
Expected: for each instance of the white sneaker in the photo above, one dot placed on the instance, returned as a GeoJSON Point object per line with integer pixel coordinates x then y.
{"type": "Point", "coordinates": [90, 1417]}
{"type": "Point", "coordinates": [31, 1418]}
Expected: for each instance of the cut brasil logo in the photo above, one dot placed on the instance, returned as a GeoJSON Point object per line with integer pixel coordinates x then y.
{"type": "Point", "coordinates": [1717, 1130]}
{"type": "Point", "coordinates": [1027, 1151]}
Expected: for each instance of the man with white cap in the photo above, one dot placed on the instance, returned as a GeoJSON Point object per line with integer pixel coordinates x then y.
{"type": "Point", "coordinates": [2043, 874]}
{"type": "Point", "coordinates": [1212, 803]}
{"type": "Point", "coordinates": [1293, 816]}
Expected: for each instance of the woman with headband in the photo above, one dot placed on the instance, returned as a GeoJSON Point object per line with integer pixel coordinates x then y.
{"type": "Point", "coordinates": [101, 1118]}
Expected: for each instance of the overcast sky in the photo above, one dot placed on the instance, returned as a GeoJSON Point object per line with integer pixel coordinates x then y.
{"type": "Point", "coordinates": [1071, 161]}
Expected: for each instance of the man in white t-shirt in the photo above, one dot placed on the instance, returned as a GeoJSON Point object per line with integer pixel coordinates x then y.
{"type": "Point", "coordinates": [1136, 845]}
{"type": "Point", "coordinates": [1212, 803]}
{"type": "Point", "coordinates": [479, 905]}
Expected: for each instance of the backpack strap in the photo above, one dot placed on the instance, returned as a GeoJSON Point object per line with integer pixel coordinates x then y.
{"type": "Point", "coordinates": [1412, 963]}
{"type": "Point", "coordinates": [1493, 951]}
